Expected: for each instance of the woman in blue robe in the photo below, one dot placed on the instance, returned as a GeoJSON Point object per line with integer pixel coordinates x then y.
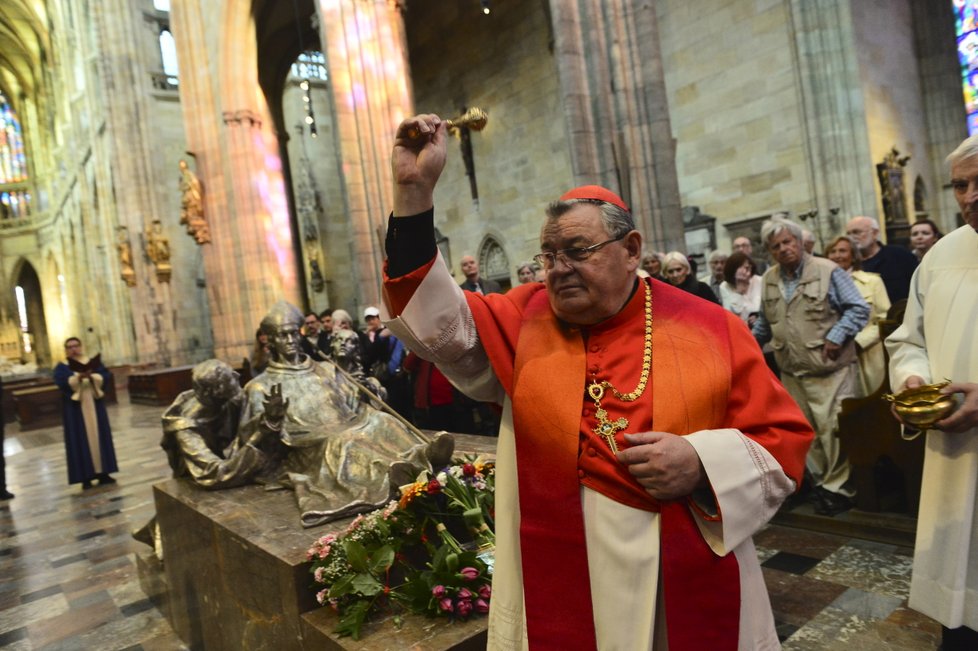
{"type": "Point", "coordinates": [88, 438]}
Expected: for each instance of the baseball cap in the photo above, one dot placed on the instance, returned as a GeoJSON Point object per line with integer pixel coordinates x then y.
{"type": "Point", "coordinates": [371, 311]}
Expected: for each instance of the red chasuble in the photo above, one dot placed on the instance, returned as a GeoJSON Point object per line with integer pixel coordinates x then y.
{"type": "Point", "coordinates": [707, 373]}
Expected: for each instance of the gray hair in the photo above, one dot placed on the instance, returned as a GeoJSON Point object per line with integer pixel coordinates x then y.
{"type": "Point", "coordinates": [342, 316]}
{"type": "Point", "coordinates": [676, 256]}
{"type": "Point", "coordinates": [648, 255]}
{"type": "Point", "coordinates": [617, 222]}
{"type": "Point", "coordinates": [807, 235]}
{"type": "Point", "coordinates": [875, 225]}
{"type": "Point", "coordinates": [718, 255]}
{"type": "Point", "coordinates": [966, 150]}
{"type": "Point", "coordinates": [532, 266]}
{"type": "Point", "coordinates": [775, 225]}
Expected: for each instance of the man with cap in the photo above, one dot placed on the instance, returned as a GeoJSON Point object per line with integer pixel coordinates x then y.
{"type": "Point", "coordinates": [605, 539]}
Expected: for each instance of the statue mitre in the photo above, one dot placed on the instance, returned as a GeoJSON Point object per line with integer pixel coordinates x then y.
{"type": "Point", "coordinates": [282, 313]}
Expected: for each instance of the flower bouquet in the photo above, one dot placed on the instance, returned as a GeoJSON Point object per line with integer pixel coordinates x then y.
{"type": "Point", "coordinates": [430, 552]}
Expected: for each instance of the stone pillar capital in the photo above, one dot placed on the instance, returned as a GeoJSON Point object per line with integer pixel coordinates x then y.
{"type": "Point", "coordinates": [242, 116]}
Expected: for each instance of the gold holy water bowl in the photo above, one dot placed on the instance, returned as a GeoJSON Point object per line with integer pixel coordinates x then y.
{"type": "Point", "coordinates": [923, 406]}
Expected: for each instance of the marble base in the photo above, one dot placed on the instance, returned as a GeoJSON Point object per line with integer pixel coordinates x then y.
{"type": "Point", "coordinates": [152, 580]}
{"type": "Point", "coordinates": [238, 579]}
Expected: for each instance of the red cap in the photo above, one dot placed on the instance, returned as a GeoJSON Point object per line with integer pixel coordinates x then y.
{"type": "Point", "coordinates": [597, 193]}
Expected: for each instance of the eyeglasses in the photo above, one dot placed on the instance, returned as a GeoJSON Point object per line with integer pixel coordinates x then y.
{"type": "Point", "coordinates": [548, 259]}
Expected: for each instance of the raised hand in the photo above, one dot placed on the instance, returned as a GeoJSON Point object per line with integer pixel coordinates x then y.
{"type": "Point", "coordinates": [275, 407]}
{"type": "Point", "coordinates": [417, 161]}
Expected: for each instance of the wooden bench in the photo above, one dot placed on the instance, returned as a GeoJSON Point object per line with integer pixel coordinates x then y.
{"type": "Point", "coordinates": [37, 406]}
{"type": "Point", "coordinates": [886, 469]}
{"type": "Point", "coordinates": [160, 386]}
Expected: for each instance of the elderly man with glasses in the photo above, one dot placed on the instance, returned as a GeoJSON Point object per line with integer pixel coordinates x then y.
{"type": "Point", "coordinates": [643, 442]}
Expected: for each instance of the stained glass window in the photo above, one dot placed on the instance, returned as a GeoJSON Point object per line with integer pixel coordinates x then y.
{"type": "Point", "coordinates": [310, 65]}
{"type": "Point", "coordinates": [13, 162]}
{"type": "Point", "coordinates": [966, 27]}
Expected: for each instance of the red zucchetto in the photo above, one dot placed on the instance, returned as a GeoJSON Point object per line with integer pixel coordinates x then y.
{"type": "Point", "coordinates": [597, 193]}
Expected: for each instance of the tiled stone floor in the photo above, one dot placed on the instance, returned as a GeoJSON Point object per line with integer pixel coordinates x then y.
{"type": "Point", "coordinates": [68, 575]}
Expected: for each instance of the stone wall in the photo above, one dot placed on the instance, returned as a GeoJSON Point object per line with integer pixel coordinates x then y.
{"type": "Point", "coordinates": [890, 80]}
{"type": "Point", "coordinates": [502, 63]}
{"type": "Point", "coordinates": [735, 108]}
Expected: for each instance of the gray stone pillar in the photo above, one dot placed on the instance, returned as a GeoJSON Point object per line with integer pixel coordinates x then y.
{"type": "Point", "coordinates": [615, 107]}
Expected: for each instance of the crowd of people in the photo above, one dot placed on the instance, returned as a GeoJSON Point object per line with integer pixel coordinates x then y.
{"type": "Point", "coordinates": [411, 386]}
{"type": "Point", "coordinates": [861, 279]}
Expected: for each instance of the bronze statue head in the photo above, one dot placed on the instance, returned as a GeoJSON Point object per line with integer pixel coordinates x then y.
{"type": "Point", "coordinates": [282, 324]}
{"type": "Point", "coordinates": [215, 383]}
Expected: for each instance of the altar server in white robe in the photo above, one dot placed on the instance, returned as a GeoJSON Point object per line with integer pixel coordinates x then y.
{"type": "Point", "coordinates": [938, 340]}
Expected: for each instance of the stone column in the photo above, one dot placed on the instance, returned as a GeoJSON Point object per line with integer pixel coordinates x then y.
{"type": "Point", "coordinates": [363, 41]}
{"type": "Point", "coordinates": [834, 117]}
{"type": "Point", "coordinates": [131, 145]}
{"type": "Point", "coordinates": [613, 91]}
{"type": "Point", "coordinates": [249, 263]}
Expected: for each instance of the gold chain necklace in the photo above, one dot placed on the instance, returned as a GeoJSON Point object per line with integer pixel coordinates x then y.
{"type": "Point", "coordinates": [607, 428]}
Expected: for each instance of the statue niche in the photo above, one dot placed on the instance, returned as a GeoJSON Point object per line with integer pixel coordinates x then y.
{"type": "Point", "coordinates": [891, 174]}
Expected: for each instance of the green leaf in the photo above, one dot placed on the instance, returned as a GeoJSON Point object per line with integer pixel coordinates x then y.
{"type": "Point", "coordinates": [356, 555]}
{"type": "Point", "coordinates": [438, 562]}
{"type": "Point", "coordinates": [382, 559]}
{"type": "Point", "coordinates": [352, 620]}
{"type": "Point", "coordinates": [342, 587]}
{"type": "Point", "coordinates": [366, 584]}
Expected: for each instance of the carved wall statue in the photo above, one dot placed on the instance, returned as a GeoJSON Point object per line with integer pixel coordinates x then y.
{"type": "Point", "coordinates": [192, 205]}
{"type": "Point", "coordinates": [890, 173]}
{"type": "Point", "coordinates": [158, 251]}
{"type": "Point", "coordinates": [126, 270]}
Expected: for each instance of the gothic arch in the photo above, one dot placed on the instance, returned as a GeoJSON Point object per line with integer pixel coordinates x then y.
{"type": "Point", "coordinates": [36, 345]}
{"type": "Point", "coordinates": [493, 262]}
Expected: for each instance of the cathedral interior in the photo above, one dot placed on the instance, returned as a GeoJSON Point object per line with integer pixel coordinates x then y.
{"type": "Point", "coordinates": [169, 169]}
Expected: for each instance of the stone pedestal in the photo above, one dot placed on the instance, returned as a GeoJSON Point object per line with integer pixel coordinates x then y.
{"type": "Point", "coordinates": [237, 576]}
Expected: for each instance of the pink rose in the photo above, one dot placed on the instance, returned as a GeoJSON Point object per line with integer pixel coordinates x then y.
{"type": "Point", "coordinates": [438, 591]}
{"type": "Point", "coordinates": [445, 604]}
{"type": "Point", "coordinates": [481, 606]}
{"type": "Point", "coordinates": [485, 591]}
{"type": "Point", "coordinates": [469, 573]}
{"type": "Point", "coordinates": [464, 593]}
{"type": "Point", "coordinates": [321, 597]}
{"type": "Point", "coordinates": [463, 608]}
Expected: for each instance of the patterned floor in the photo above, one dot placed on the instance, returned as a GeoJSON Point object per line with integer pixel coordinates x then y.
{"type": "Point", "coordinates": [69, 576]}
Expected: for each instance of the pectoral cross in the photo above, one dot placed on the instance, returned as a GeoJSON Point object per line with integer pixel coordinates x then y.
{"type": "Point", "coordinates": [607, 428]}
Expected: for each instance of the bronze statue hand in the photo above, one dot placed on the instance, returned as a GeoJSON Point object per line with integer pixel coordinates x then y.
{"type": "Point", "coordinates": [275, 407]}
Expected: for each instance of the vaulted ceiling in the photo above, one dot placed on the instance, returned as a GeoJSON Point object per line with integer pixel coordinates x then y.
{"type": "Point", "coordinates": [24, 47]}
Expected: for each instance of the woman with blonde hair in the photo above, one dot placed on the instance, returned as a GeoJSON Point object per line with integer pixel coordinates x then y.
{"type": "Point", "coordinates": [844, 252]}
